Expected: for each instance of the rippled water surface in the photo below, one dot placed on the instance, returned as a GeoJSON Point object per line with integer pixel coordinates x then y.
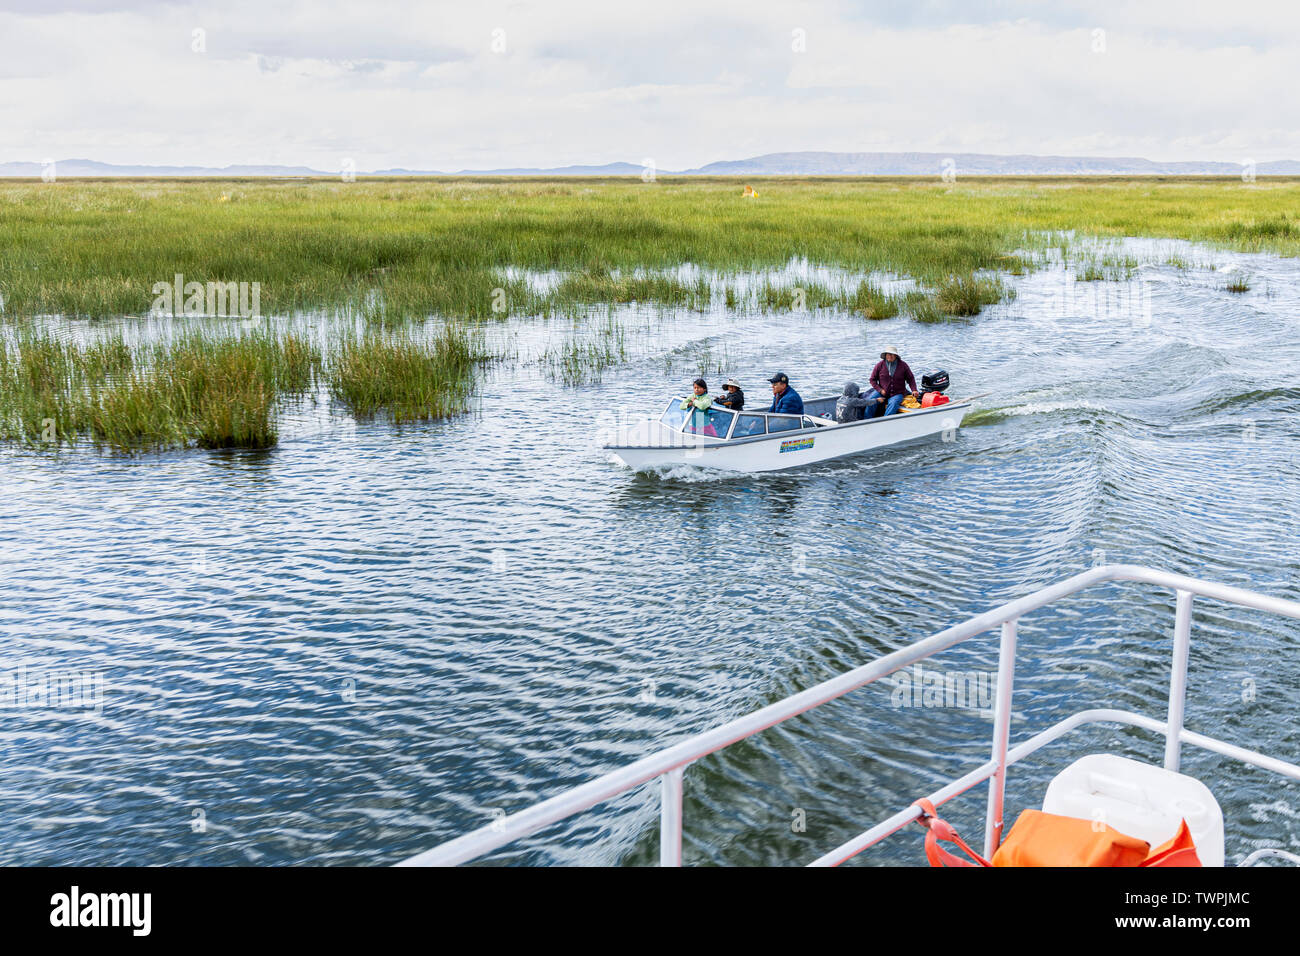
{"type": "Point", "coordinates": [368, 640]}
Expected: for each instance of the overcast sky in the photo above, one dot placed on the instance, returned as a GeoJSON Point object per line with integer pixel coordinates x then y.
{"type": "Point", "coordinates": [482, 84]}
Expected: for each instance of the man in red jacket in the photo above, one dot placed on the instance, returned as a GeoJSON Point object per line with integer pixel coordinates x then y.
{"type": "Point", "coordinates": [891, 380]}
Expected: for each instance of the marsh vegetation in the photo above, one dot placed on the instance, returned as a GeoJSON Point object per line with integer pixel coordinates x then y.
{"type": "Point", "coordinates": [457, 254]}
{"type": "Point", "coordinates": [214, 391]}
{"type": "Point", "coordinates": [219, 388]}
{"type": "Point", "coordinates": [439, 246]}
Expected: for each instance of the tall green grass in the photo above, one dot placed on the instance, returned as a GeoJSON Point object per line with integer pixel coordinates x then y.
{"type": "Point", "coordinates": [393, 251]}
{"type": "Point", "coordinates": [219, 389]}
{"type": "Point", "coordinates": [871, 302]}
{"type": "Point", "coordinates": [598, 285]}
{"type": "Point", "coordinates": [583, 355]}
{"type": "Point", "coordinates": [440, 247]}
{"type": "Point", "coordinates": [213, 391]}
{"type": "Point", "coordinates": [967, 295]}
{"type": "Point", "coordinates": [398, 372]}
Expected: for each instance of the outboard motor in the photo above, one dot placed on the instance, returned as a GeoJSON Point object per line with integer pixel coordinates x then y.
{"type": "Point", "coordinates": [936, 381]}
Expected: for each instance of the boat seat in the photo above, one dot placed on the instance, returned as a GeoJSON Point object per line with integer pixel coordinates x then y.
{"type": "Point", "coordinates": [1139, 800]}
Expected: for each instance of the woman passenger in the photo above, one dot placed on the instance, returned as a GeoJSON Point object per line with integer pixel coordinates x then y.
{"type": "Point", "coordinates": [698, 404]}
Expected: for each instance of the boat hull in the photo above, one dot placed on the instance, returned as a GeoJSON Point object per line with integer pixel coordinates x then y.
{"type": "Point", "coordinates": [788, 449]}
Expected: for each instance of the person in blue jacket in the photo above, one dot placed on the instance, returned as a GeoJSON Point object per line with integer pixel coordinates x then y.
{"type": "Point", "coordinates": [784, 398]}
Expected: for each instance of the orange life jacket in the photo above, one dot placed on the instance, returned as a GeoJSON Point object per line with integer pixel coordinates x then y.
{"type": "Point", "coordinates": [1047, 839]}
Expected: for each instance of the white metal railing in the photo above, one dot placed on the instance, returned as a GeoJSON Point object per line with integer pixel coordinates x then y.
{"type": "Point", "coordinates": [1270, 853]}
{"type": "Point", "coordinates": [669, 764]}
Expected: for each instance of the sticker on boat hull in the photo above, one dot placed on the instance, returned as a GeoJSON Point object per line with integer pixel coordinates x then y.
{"type": "Point", "coordinates": [797, 444]}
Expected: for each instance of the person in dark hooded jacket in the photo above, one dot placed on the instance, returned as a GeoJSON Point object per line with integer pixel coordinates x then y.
{"type": "Point", "coordinates": [732, 396]}
{"type": "Point", "coordinates": [849, 407]}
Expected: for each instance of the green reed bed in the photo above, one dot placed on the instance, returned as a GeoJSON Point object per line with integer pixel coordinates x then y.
{"type": "Point", "coordinates": [871, 302]}
{"type": "Point", "coordinates": [924, 308]}
{"type": "Point", "coordinates": [441, 246]}
{"type": "Point", "coordinates": [967, 295]}
{"type": "Point", "coordinates": [209, 390]}
{"type": "Point", "coordinates": [1108, 268]}
{"type": "Point", "coordinates": [598, 285]}
{"type": "Point", "coordinates": [953, 296]}
{"type": "Point", "coordinates": [865, 299]}
{"type": "Point", "coordinates": [798, 297]}
{"type": "Point", "coordinates": [220, 389]}
{"type": "Point", "coordinates": [393, 251]}
{"type": "Point", "coordinates": [398, 372]}
{"type": "Point", "coordinates": [582, 356]}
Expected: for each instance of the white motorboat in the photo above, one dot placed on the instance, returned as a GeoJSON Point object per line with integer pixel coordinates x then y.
{"type": "Point", "coordinates": [760, 441]}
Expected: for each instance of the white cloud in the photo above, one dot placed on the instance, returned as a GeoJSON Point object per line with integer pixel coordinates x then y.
{"type": "Point", "coordinates": [418, 84]}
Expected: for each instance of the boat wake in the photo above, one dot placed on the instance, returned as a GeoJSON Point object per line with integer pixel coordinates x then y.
{"type": "Point", "coordinates": [690, 474]}
{"type": "Point", "coordinates": [675, 472]}
{"type": "Point", "coordinates": [993, 416]}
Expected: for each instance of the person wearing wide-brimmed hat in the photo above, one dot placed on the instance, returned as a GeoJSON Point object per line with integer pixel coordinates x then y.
{"type": "Point", "coordinates": [732, 397]}
{"type": "Point", "coordinates": [890, 382]}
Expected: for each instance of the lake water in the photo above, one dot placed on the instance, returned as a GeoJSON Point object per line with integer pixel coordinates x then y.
{"type": "Point", "coordinates": [368, 640]}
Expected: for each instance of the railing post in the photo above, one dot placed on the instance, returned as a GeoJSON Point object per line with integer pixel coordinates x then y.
{"type": "Point", "coordinates": [1178, 680]}
{"type": "Point", "coordinates": [1001, 735]}
{"type": "Point", "coordinates": [670, 818]}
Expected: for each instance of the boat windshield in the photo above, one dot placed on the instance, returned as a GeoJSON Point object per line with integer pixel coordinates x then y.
{"type": "Point", "coordinates": [713, 423]}
{"type": "Point", "coordinates": [782, 423]}
{"type": "Point", "coordinates": [674, 415]}
{"type": "Point", "coordinates": [750, 425]}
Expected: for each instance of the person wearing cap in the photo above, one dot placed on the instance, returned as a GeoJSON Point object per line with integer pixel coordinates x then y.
{"type": "Point", "coordinates": [732, 397]}
{"type": "Point", "coordinates": [890, 380]}
{"type": "Point", "coordinates": [785, 400]}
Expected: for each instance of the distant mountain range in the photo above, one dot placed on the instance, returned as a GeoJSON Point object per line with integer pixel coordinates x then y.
{"type": "Point", "coordinates": [771, 164]}
{"type": "Point", "coordinates": [976, 164]}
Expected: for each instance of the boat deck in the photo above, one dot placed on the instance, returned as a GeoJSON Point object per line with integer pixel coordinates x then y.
{"type": "Point", "coordinates": [669, 765]}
